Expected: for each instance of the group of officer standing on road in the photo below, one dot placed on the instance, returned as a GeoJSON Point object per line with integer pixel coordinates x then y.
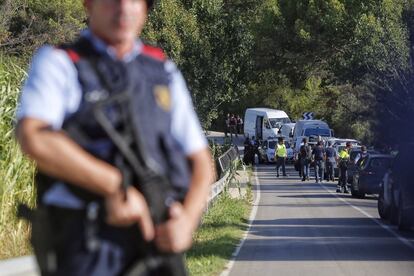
{"type": "Point", "coordinates": [324, 160]}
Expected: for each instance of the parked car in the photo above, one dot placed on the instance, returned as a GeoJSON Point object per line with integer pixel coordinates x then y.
{"type": "Point", "coordinates": [396, 196]}
{"type": "Point", "coordinates": [268, 151]}
{"type": "Point", "coordinates": [367, 177]}
{"type": "Point", "coordinates": [352, 167]}
{"type": "Point", "coordinates": [342, 142]}
{"type": "Point", "coordinates": [385, 197]}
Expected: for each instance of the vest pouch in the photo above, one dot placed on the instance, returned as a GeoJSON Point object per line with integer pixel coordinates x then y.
{"type": "Point", "coordinates": [43, 240]}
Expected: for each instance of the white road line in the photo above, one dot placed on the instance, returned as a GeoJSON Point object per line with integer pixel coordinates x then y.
{"type": "Point", "coordinates": [384, 226]}
{"type": "Point", "coordinates": [252, 217]}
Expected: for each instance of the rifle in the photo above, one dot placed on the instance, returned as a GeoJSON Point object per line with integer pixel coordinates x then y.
{"type": "Point", "coordinates": [137, 167]}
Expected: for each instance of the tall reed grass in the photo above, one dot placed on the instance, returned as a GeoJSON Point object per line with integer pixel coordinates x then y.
{"type": "Point", "coordinates": [16, 171]}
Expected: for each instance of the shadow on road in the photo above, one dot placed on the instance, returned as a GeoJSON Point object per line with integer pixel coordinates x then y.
{"type": "Point", "coordinates": [298, 239]}
{"type": "Point", "coordinates": [342, 235]}
{"type": "Point", "coordinates": [320, 205]}
{"type": "Point", "coordinates": [293, 187]}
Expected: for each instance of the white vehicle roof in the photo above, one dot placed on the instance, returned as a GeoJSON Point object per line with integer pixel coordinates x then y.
{"type": "Point", "coordinates": [271, 113]}
{"type": "Point", "coordinates": [303, 125]}
{"type": "Point", "coordinates": [277, 137]}
{"type": "Point", "coordinates": [311, 122]}
{"type": "Point", "coordinates": [342, 141]}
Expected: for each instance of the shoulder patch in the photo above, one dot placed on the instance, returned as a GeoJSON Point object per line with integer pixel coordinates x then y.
{"type": "Point", "coordinates": [73, 55]}
{"type": "Point", "coordinates": [154, 52]}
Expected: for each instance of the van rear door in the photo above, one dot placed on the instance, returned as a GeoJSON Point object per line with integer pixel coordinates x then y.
{"type": "Point", "coordinates": [259, 127]}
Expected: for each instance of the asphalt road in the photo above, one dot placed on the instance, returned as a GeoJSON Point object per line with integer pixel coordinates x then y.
{"type": "Point", "coordinates": [304, 228]}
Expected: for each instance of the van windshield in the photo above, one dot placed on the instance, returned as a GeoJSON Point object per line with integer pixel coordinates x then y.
{"type": "Point", "coordinates": [278, 122]}
{"type": "Point", "coordinates": [317, 132]}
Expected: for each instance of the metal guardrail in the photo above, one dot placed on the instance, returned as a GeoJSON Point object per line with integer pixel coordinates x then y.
{"type": "Point", "coordinates": [227, 158]}
{"type": "Point", "coordinates": [27, 266]}
{"type": "Point", "coordinates": [218, 187]}
{"type": "Point", "coordinates": [225, 162]}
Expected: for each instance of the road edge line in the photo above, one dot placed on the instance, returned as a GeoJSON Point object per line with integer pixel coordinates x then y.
{"type": "Point", "coordinates": [376, 220]}
{"type": "Point", "coordinates": [252, 217]}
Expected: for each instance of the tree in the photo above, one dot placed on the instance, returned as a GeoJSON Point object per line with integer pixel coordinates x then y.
{"type": "Point", "coordinates": [331, 55]}
{"type": "Point", "coordinates": [27, 24]}
{"type": "Point", "coordinates": [212, 43]}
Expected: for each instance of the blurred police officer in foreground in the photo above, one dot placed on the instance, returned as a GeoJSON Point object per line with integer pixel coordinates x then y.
{"type": "Point", "coordinates": [61, 82]}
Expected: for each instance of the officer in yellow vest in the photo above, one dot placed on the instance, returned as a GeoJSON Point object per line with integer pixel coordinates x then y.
{"type": "Point", "coordinates": [280, 156]}
{"type": "Point", "coordinates": [343, 167]}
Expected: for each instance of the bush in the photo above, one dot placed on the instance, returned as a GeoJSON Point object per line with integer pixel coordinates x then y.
{"type": "Point", "coordinates": [16, 172]}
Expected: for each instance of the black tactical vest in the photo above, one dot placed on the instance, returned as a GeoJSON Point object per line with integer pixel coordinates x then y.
{"type": "Point", "coordinates": [148, 83]}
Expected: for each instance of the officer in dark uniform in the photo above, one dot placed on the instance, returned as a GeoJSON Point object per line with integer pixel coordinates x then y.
{"type": "Point", "coordinates": [88, 222]}
{"type": "Point", "coordinates": [331, 160]}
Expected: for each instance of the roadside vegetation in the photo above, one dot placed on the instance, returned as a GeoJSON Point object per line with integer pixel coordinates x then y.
{"type": "Point", "coordinates": [16, 172]}
{"type": "Point", "coordinates": [220, 232]}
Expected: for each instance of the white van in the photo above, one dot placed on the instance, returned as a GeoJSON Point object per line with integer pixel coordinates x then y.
{"type": "Point", "coordinates": [307, 128]}
{"type": "Point", "coordinates": [287, 130]}
{"type": "Point", "coordinates": [263, 122]}
{"type": "Point", "coordinates": [312, 128]}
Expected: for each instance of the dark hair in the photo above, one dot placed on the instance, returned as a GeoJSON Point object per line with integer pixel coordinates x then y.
{"type": "Point", "coordinates": [320, 143]}
{"type": "Point", "coordinates": [150, 3]}
{"type": "Point", "coordinates": [304, 140]}
{"type": "Point", "coordinates": [280, 139]}
{"type": "Point", "coordinates": [348, 144]}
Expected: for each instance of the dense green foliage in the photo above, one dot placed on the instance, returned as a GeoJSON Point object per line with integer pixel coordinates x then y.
{"type": "Point", "coordinates": [333, 57]}
{"type": "Point", "coordinates": [338, 58]}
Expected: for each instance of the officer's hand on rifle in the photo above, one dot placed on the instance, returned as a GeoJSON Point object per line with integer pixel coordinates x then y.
{"type": "Point", "coordinates": [124, 211]}
{"type": "Point", "coordinates": [175, 235]}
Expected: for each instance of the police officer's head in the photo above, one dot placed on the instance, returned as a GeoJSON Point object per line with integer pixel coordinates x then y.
{"type": "Point", "coordinates": [280, 140]}
{"type": "Point", "coordinates": [348, 145]}
{"type": "Point", "coordinates": [150, 3]}
{"type": "Point", "coordinates": [117, 22]}
{"type": "Point", "coordinates": [363, 149]}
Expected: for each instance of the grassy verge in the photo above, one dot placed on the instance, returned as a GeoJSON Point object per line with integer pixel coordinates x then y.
{"type": "Point", "coordinates": [217, 237]}
{"type": "Point", "coordinates": [16, 172]}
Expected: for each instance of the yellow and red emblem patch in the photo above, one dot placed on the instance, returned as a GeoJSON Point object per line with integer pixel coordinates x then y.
{"type": "Point", "coordinates": [163, 97]}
